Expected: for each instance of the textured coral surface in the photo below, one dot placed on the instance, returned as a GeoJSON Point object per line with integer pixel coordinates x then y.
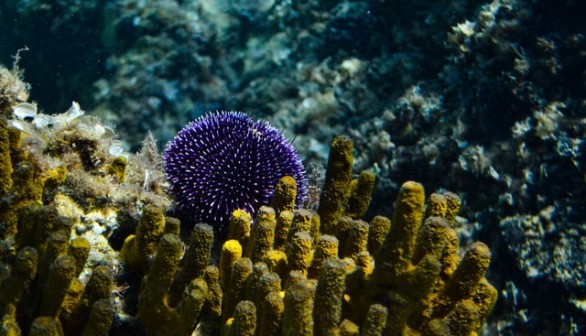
{"type": "Point", "coordinates": [482, 97]}
{"type": "Point", "coordinates": [89, 249]}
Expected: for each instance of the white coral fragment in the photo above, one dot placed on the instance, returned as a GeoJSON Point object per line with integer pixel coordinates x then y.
{"type": "Point", "coordinates": [116, 149]}
{"type": "Point", "coordinates": [466, 28]}
{"type": "Point", "coordinates": [42, 120]}
{"type": "Point", "coordinates": [71, 115]}
{"type": "Point", "coordinates": [23, 111]}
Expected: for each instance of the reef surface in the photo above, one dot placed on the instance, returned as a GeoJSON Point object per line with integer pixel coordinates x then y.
{"type": "Point", "coordinates": [482, 98]}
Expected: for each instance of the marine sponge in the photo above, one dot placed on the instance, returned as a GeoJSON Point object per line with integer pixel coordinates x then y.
{"type": "Point", "coordinates": [138, 248]}
{"type": "Point", "coordinates": [158, 317]}
{"type": "Point", "coordinates": [288, 272]}
{"type": "Point", "coordinates": [226, 161]}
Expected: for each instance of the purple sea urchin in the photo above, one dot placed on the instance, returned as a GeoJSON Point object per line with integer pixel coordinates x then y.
{"type": "Point", "coordinates": [225, 161]}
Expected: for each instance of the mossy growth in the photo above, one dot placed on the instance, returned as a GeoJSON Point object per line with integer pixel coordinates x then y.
{"type": "Point", "coordinates": [12, 89]}
{"type": "Point", "coordinates": [117, 168]}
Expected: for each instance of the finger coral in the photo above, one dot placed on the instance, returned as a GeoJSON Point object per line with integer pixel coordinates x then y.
{"type": "Point", "coordinates": [399, 277]}
{"type": "Point", "coordinates": [60, 203]}
{"type": "Point", "coordinates": [281, 271]}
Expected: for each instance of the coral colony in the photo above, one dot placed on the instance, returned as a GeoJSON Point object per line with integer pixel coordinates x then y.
{"type": "Point", "coordinates": [226, 161]}
{"type": "Point", "coordinates": [485, 98]}
{"type": "Point", "coordinates": [281, 270]}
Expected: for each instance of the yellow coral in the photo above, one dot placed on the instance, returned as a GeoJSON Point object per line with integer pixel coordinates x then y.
{"type": "Point", "coordinates": [285, 195]}
{"type": "Point", "coordinates": [231, 252]}
{"type": "Point", "coordinates": [139, 247]}
{"type": "Point", "coordinates": [288, 272]}
{"type": "Point", "coordinates": [263, 234]}
{"type": "Point", "coordinates": [336, 190]}
{"type": "Point", "coordinates": [5, 159]}
{"type": "Point", "coordinates": [153, 306]}
{"type": "Point", "coordinates": [239, 227]}
{"type": "Point", "coordinates": [360, 195]}
{"type": "Point", "coordinates": [327, 309]}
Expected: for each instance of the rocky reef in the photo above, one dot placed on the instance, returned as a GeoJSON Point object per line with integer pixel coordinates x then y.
{"type": "Point", "coordinates": [89, 247]}
{"type": "Point", "coordinates": [484, 98]}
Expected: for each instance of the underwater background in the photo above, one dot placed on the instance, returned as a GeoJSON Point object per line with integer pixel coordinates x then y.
{"type": "Point", "coordinates": [486, 99]}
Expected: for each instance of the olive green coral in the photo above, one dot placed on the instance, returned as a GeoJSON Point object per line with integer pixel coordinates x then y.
{"type": "Point", "coordinates": [43, 294]}
{"type": "Point", "coordinates": [100, 319]}
{"type": "Point", "coordinates": [22, 274]}
{"type": "Point", "coordinates": [327, 309]}
{"type": "Point", "coordinates": [138, 248]}
{"type": "Point", "coordinates": [375, 321]}
{"type": "Point", "coordinates": [326, 248]}
{"type": "Point", "coordinates": [239, 227]}
{"type": "Point", "coordinates": [244, 321]}
{"type": "Point", "coordinates": [235, 290]}
{"type": "Point", "coordinates": [285, 195]}
{"type": "Point", "coordinates": [288, 279]}
{"type": "Point", "coordinates": [263, 234]}
{"type": "Point", "coordinates": [393, 276]}
{"type": "Point", "coordinates": [336, 189]}
{"type": "Point", "coordinates": [287, 272]}
{"type": "Point", "coordinates": [297, 315]}
{"type": "Point", "coordinates": [58, 207]}
{"type": "Point", "coordinates": [26, 190]}
{"type": "Point", "coordinates": [284, 221]}
{"type": "Point", "coordinates": [5, 159]}
{"type": "Point", "coordinates": [360, 194]}
{"type": "Point", "coordinates": [271, 313]}
{"type": "Point", "coordinates": [230, 253]}
{"type": "Point", "coordinates": [90, 308]}
{"type": "Point", "coordinates": [377, 231]}
{"type": "Point", "coordinates": [194, 261]}
{"type": "Point", "coordinates": [158, 317]}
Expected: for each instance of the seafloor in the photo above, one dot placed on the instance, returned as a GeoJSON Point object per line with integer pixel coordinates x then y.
{"type": "Point", "coordinates": [486, 99]}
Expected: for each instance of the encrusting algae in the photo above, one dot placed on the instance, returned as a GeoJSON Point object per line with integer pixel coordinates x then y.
{"type": "Point", "coordinates": [287, 271]}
